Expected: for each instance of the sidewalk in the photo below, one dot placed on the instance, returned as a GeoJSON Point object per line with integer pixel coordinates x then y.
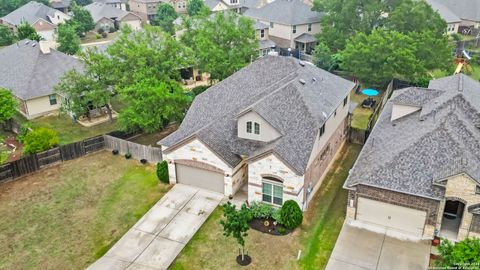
{"type": "Point", "coordinates": [159, 236]}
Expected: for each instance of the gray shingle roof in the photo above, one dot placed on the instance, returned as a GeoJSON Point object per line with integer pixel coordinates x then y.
{"type": "Point", "coordinates": [270, 86]}
{"type": "Point", "coordinates": [60, 3]}
{"type": "Point", "coordinates": [306, 38]}
{"type": "Point", "coordinates": [288, 12]}
{"type": "Point", "coordinates": [464, 9]}
{"type": "Point", "coordinates": [412, 153]}
{"type": "Point", "coordinates": [30, 12]}
{"type": "Point", "coordinates": [111, 1]}
{"type": "Point", "coordinates": [266, 44]}
{"type": "Point", "coordinates": [99, 11]}
{"type": "Point", "coordinates": [29, 73]}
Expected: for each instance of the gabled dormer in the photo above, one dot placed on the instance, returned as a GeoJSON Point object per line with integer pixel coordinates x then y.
{"type": "Point", "coordinates": [252, 126]}
{"type": "Point", "coordinates": [399, 110]}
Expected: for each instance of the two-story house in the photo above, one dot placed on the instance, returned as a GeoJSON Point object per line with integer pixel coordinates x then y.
{"type": "Point", "coordinates": [452, 20]}
{"type": "Point", "coordinates": [146, 9]}
{"type": "Point", "coordinates": [120, 4]}
{"type": "Point", "coordinates": [265, 45]}
{"type": "Point", "coordinates": [458, 13]}
{"type": "Point", "coordinates": [275, 126]}
{"type": "Point", "coordinates": [292, 23]}
{"type": "Point", "coordinates": [42, 18]}
{"type": "Point", "coordinates": [419, 172]}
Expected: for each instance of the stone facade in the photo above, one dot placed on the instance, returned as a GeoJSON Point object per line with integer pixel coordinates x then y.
{"type": "Point", "coordinates": [271, 165]}
{"type": "Point", "coordinates": [475, 226]}
{"type": "Point", "coordinates": [463, 188]}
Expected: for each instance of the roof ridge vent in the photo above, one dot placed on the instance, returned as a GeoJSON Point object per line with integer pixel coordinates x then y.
{"type": "Point", "coordinates": [302, 81]}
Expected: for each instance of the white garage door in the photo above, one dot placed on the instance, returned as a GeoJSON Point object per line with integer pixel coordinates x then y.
{"type": "Point", "coordinates": [200, 178]}
{"type": "Point", "coordinates": [394, 217]}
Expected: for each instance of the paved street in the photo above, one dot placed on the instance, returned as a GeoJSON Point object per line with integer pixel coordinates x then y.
{"type": "Point", "coordinates": [360, 249]}
{"type": "Point", "coordinates": [159, 236]}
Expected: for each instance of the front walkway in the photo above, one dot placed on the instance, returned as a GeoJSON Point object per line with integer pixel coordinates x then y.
{"type": "Point", "coordinates": [360, 249]}
{"type": "Point", "coordinates": [159, 236]}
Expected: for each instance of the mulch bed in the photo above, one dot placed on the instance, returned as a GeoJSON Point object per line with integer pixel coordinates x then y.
{"type": "Point", "coordinates": [246, 260]}
{"type": "Point", "coordinates": [259, 225]}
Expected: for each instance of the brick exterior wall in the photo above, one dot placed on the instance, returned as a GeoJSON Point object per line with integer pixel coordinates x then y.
{"type": "Point", "coordinates": [400, 199]}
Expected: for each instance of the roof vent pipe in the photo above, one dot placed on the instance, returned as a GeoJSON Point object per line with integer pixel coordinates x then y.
{"type": "Point", "coordinates": [302, 63]}
{"type": "Point", "coordinates": [302, 81]}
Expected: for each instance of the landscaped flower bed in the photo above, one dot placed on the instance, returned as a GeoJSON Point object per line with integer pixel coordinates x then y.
{"type": "Point", "coordinates": [268, 225]}
{"type": "Point", "coordinates": [275, 221]}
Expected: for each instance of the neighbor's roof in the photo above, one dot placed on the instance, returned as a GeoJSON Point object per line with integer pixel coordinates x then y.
{"type": "Point", "coordinates": [464, 9]}
{"type": "Point", "coordinates": [29, 73]}
{"type": "Point", "coordinates": [270, 87]}
{"type": "Point", "coordinates": [288, 12]}
{"type": "Point", "coordinates": [442, 139]}
{"type": "Point", "coordinates": [99, 11]}
{"type": "Point", "coordinates": [444, 11]}
{"type": "Point", "coordinates": [306, 38]}
{"type": "Point", "coordinates": [258, 25]}
{"type": "Point", "coordinates": [30, 12]}
{"type": "Point", "coordinates": [266, 44]}
{"type": "Point", "coordinates": [110, 1]}
{"type": "Point", "coordinates": [59, 3]}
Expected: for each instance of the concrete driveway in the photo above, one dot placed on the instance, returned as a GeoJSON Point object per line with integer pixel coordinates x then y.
{"type": "Point", "coordinates": [159, 236]}
{"type": "Point", "coordinates": [360, 249]}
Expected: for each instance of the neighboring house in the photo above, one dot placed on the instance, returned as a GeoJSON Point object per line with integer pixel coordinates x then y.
{"type": "Point", "coordinates": [146, 9]}
{"type": "Point", "coordinates": [107, 17]}
{"type": "Point", "coordinates": [120, 4]}
{"type": "Point", "coordinates": [60, 5]}
{"type": "Point", "coordinates": [239, 6]}
{"type": "Point", "coordinates": [419, 171]}
{"type": "Point", "coordinates": [467, 10]}
{"type": "Point", "coordinates": [41, 17]}
{"type": "Point", "coordinates": [265, 44]}
{"type": "Point", "coordinates": [274, 126]}
{"type": "Point", "coordinates": [31, 70]}
{"type": "Point", "coordinates": [292, 23]}
{"type": "Point", "coordinates": [453, 21]}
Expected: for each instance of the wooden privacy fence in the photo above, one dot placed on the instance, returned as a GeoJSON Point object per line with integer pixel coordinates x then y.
{"type": "Point", "coordinates": [34, 162]}
{"type": "Point", "coordinates": [138, 151]}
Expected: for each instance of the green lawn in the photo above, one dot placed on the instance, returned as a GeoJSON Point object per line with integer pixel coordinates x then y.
{"type": "Point", "coordinates": [67, 216]}
{"type": "Point", "coordinates": [67, 130]}
{"type": "Point", "coordinates": [209, 249]}
{"type": "Point", "coordinates": [361, 116]}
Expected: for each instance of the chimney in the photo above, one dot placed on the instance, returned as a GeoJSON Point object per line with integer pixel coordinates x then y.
{"type": "Point", "coordinates": [44, 47]}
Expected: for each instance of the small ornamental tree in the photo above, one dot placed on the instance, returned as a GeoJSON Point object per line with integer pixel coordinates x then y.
{"type": "Point", "coordinates": [8, 105]}
{"type": "Point", "coordinates": [82, 18]}
{"type": "Point", "coordinates": [26, 31]}
{"type": "Point", "coordinates": [68, 38]}
{"type": "Point", "coordinates": [236, 224]}
{"type": "Point", "coordinates": [40, 139]}
{"type": "Point", "coordinates": [162, 172]}
{"type": "Point", "coordinates": [462, 255]}
{"type": "Point", "coordinates": [291, 214]}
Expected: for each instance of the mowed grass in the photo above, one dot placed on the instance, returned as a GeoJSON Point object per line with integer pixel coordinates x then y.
{"type": "Point", "coordinates": [67, 216]}
{"type": "Point", "coordinates": [68, 131]}
{"type": "Point", "coordinates": [316, 237]}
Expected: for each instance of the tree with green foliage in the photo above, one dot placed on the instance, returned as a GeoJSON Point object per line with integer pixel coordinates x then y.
{"type": "Point", "coordinates": [7, 37]}
{"type": "Point", "coordinates": [196, 7]}
{"type": "Point", "coordinates": [8, 105]}
{"type": "Point", "coordinates": [26, 31]}
{"type": "Point", "coordinates": [162, 172]}
{"type": "Point", "coordinates": [235, 223]}
{"type": "Point", "coordinates": [323, 57]}
{"type": "Point", "coordinates": [82, 18]}
{"type": "Point", "coordinates": [223, 43]}
{"type": "Point", "coordinates": [291, 214]}
{"type": "Point", "coordinates": [152, 104]}
{"type": "Point", "coordinates": [415, 16]}
{"type": "Point", "coordinates": [39, 140]}
{"type": "Point", "coordinates": [164, 18]}
{"type": "Point", "coordinates": [82, 2]}
{"type": "Point", "coordinates": [68, 40]}
{"type": "Point", "coordinates": [83, 92]}
{"type": "Point", "coordinates": [462, 255]}
{"type": "Point", "coordinates": [381, 56]}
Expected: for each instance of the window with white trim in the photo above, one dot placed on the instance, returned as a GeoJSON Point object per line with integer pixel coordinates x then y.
{"type": "Point", "coordinates": [294, 29]}
{"type": "Point", "coordinates": [53, 99]}
{"type": "Point", "coordinates": [262, 33]}
{"type": "Point", "coordinates": [309, 27]}
{"type": "Point", "coordinates": [249, 127]}
{"type": "Point", "coordinates": [256, 128]}
{"type": "Point", "coordinates": [272, 193]}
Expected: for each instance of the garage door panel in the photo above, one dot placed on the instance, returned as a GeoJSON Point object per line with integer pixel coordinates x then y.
{"type": "Point", "coordinates": [201, 178]}
{"type": "Point", "coordinates": [391, 216]}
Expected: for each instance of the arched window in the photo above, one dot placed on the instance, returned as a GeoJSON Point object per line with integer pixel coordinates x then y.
{"type": "Point", "coordinates": [257, 128]}
{"type": "Point", "coordinates": [249, 127]}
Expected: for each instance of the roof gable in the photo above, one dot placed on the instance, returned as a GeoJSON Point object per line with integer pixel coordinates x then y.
{"type": "Point", "coordinates": [288, 12]}
{"type": "Point", "coordinates": [30, 13]}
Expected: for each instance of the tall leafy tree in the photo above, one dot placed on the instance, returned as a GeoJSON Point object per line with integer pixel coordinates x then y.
{"type": "Point", "coordinates": [83, 93]}
{"type": "Point", "coordinates": [68, 39]}
{"type": "Point", "coordinates": [415, 16]}
{"type": "Point", "coordinates": [83, 2]}
{"type": "Point", "coordinates": [381, 56]}
{"type": "Point", "coordinates": [8, 105]}
{"type": "Point", "coordinates": [165, 16]}
{"type": "Point", "coordinates": [323, 57]}
{"type": "Point", "coordinates": [223, 43]}
{"type": "Point", "coordinates": [196, 7]}
{"type": "Point", "coordinates": [7, 36]}
{"type": "Point", "coordinates": [82, 18]}
{"type": "Point", "coordinates": [26, 31]}
{"type": "Point", "coordinates": [151, 104]}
